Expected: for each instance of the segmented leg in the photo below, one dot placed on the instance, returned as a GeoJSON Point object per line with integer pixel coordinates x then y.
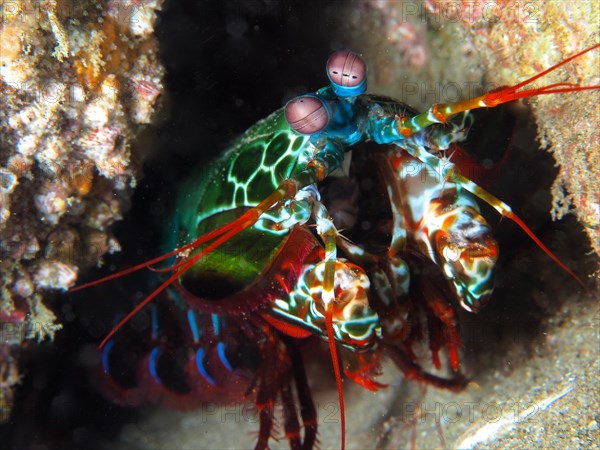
{"type": "Point", "coordinates": [449, 334]}
{"type": "Point", "coordinates": [326, 229]}
{"type": "Point", "coordinates": [442, 138]}
{"type": "Point", "coordinates": [308, 411]}
{"type": "Point", "coordinates": [328, 233]}
{"type": "Point", "coordinates": [290, 417]}
{"type": "Point", "coordinates": [296, 211]}
{"type": "Point", "coordinates": [307, 204]}
{"type": "Point", "coordinates": [413, 372]}
{"type": "Point", "coordinates": [269, 384]}
{"type": "Point", "coordinates": [446, 170]}
{"type": "Point", "coordinates": [265, 417]}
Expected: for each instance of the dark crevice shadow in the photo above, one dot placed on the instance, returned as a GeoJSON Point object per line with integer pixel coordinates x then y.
{"type": "Point", "coordinates": [228, 64]}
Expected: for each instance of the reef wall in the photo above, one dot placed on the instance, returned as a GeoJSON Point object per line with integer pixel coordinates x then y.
{"type": "Point", "coordinates": [79, 80]}
{"type": "Point", "coordinates": [445, 50]}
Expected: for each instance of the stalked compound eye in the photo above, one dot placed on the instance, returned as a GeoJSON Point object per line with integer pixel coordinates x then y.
{"type": "Point", "coordinates": [307, 114]}
{"type": "Point", "coordinates": [347, 72]}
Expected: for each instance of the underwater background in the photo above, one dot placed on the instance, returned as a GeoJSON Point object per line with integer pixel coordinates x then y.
{"type": "Point", "coordinates": [219, 67]}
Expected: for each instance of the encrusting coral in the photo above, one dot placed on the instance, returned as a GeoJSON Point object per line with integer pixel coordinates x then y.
{"type": "Point", "coordinates": [78, 82]}
{"type": "Point", "coordinates": [475, 44]}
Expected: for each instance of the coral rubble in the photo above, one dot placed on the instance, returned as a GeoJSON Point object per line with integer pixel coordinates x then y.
{"type": "Point", "coordinates": [78, 81]}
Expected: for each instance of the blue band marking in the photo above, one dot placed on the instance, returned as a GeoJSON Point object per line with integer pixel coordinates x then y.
{"type": "Point", "coordinates": [202, 369]}
{"type": "Point", "coordinates": [223, 357]}
{"type": "Point", "coordinates": [216, 324]}
{"type": "Point", "coordinates": [152, 364]}
{"type": "Point", "coordinates": [193, 325]}
{"type": "Point", "coordinates": [105, 355]}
